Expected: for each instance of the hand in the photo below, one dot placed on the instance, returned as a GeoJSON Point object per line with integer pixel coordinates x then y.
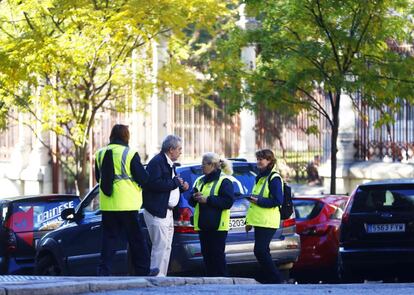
{"type": "Point", "coordinates": [185, 186]}
{"type": "Point", "coordinates": [198, 197]}
{"type": "Point", "coordinates": [253, 199]}
{"type": "Point", "coordinates": [180, 180]}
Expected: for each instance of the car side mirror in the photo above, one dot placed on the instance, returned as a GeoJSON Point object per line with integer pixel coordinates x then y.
{"type": "Point", "coordinates": [68, 214]}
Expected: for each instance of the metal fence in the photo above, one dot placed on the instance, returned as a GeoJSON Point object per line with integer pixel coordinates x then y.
{"type": "Point", "coordinates": [389, 142]}
{"type": "Point", "coordinates": [205, 129]}
{"type": "Point", "coordinates": [289, 137]}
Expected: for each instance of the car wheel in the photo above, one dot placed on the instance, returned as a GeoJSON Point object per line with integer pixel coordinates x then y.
{"type": "Point", "coordinates": [47, 266]}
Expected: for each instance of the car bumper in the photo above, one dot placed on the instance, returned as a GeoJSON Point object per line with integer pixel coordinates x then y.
{"type": "Point", "coordinates": [376, 257]}
{"type": "Point", "coordinates": [187, 257]}
{"type": "Point", "coordinates": [317, 253]}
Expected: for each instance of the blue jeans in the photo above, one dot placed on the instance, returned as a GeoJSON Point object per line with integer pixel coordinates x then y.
{"type": "Point", "coordinates": [269, 273]}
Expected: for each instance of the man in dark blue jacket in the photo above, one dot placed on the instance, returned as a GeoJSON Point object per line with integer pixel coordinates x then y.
{"type": "Point", "coordinates": [161, 195]}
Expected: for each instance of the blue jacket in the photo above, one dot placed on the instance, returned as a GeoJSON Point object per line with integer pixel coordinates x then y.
{"type": "Point", "coordinates": [156, 192]}
{"type": "Point", "coordinates": [276, 193]}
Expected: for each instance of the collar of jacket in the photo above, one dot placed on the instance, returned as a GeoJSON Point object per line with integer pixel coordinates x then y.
{"type": "Point", "coordinates": [264, 173]}
{"type": "Point", "coordinates": [164, 157]}
{"type": "Point", "coordinates": [215, 175]}
{"type": "Point", "coordinates": [120, 142]}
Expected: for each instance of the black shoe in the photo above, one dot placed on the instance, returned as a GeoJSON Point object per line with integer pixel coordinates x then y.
{"type": "Point", "coordinates": [154, 272]}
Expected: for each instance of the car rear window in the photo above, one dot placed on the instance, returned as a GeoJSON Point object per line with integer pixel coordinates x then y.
{"type": "Point", "coordinates": [244, 174]}
{"type": "Point", "coordinates": [39, 215]}
{"type": "Point", "coordinates": [307, 209]}
{"type": "Point", "coordinates": [387, 199]}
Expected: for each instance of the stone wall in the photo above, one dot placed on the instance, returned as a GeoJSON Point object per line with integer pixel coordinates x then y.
{"type": "Point", "coordinates": [353, 174]}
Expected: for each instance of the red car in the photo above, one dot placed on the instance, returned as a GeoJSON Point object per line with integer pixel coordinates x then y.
{"type": "Point", "coordinates": [318, 219]}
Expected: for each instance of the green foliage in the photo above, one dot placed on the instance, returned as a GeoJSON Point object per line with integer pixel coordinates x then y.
{"type": "Point", "coordinates": [330, 47]}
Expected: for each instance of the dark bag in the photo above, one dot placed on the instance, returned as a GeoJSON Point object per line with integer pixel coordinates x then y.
{"type": "Point", "coordinates": [286, 209]}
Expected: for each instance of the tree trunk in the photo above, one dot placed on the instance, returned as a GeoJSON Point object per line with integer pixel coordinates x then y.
{"type": "Point", "coordinates": [81, 179]}
{"type": "Point", "coordinates": [334, 139]}
{"type": "Point", "coordinates": [81, 184]}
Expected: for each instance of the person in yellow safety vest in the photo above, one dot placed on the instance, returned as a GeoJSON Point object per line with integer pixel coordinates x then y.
{"type": "Point", "coordinates": [212, 197]}
{"type": "Point", "coordinates": [120, 175]}
{"type": "Point", "coordinates": [264, 215]}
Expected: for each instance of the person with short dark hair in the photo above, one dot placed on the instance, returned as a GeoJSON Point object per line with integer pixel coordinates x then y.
{"type": "Point", "coordinates": [161, 195]}
{"type": "Point", "coordinates": [121, 175]}
{"type": "Point", "coordinates": [264, 214]}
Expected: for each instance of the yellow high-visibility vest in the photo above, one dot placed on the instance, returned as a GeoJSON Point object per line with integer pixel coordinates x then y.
{"type": "Point", "coordinates": [259, 216]}
{"type": "Point", "coordinates": [211, 190]}
{"type": "Point", "coordinates": [126, 193]}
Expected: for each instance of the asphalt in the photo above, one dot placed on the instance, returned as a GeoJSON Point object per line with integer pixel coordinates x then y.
{"type": "Point", "coordinates": [44, 285]}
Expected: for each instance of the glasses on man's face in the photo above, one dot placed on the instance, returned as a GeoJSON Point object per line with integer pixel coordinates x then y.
{"type": "Point", "coordinates": [205, 164]}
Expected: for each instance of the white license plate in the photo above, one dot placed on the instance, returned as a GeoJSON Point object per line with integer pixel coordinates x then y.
{"type": "Point", "coordinates": [237, 223]}
{"type": "Point", "coordinates": [386, 228]}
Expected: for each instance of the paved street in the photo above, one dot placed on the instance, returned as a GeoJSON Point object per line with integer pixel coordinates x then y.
{"type": "Point", "coordinates": [21, 285]}
{"type": "Point", "coordinates": [365, 289]}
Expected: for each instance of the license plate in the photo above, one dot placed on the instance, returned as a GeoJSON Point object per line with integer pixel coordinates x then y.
{"type": "Point", "coordinates": [237, 223]}
{"type": "Point", "coordinates": [386, 228]}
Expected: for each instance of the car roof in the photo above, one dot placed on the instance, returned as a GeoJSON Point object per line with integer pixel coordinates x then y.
{"type": "Point", "coordinates": [389, 182]}
{"type": "Point", "coordinates": [329, 199]}
{"type": "Point", "coordinates": [37, 197]}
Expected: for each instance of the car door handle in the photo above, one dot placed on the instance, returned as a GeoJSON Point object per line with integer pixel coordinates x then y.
{"type": "Point", "coordinates": [95, 227]}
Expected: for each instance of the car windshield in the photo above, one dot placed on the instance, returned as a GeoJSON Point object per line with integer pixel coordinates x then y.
{"type": "Point", "coordinates": [307, 209]}
{"type": "Point", "coordinates": [383, 199]}
{"type": "Point", "coordinates": [91, 204]}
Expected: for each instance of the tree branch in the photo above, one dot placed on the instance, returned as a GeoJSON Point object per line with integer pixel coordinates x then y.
{"type": "Point", "coordinates": [26, 16]}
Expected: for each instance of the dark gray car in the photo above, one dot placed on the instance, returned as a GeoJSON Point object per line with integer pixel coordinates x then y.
{"type": "Point", "coordinates": [74, 248]}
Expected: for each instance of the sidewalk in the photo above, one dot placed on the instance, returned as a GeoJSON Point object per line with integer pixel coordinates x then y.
{"type": "Point", "coordinates": [42, 285]}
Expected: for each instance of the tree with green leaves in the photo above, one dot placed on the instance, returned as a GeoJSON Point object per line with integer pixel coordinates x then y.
{"type": "Point", "coordinates": [309, 47]}
{"type": "Point", "coordinates": [63, 61]}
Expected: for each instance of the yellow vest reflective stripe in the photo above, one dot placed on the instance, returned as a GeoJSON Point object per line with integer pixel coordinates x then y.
{"type": "Point", "coordinates": [259, 216]}
{"type": "Point", "coordinates": [126, 193]}
{"type": "Point", "coordinates": [211, 190]}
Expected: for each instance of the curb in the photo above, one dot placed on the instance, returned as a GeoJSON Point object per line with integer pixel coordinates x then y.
{"type": "Point", "coordinates": [77, 285]}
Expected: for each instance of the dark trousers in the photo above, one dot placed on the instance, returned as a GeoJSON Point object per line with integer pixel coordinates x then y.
{"type": "Point", "coordinates": [213, 244]}
{"type": "Point", "coordinates": [114, 224]}
{"type": "Point", "coordinates": [268, 273]}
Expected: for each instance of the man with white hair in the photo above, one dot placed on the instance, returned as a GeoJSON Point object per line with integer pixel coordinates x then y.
{"type": "Point", "coordinates": [161, 195]}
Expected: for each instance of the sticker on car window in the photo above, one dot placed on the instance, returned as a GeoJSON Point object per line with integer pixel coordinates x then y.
{"type": "Point", "coordinates": [47, 217]}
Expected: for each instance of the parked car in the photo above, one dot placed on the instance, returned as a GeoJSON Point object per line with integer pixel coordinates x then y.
{"type": "Point", "coordinates": [23, 221]}
{"type": "Point", "coordinates": [74, 248]}
{"type": "Point", "coordinates": [318, 219]}
{"type": "Point", "coordinates": [377, 232]}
